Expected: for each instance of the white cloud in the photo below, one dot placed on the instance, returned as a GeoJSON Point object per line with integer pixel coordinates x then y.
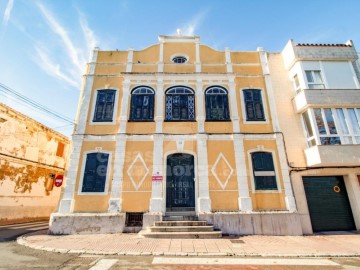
{"type": "Point", "coordinates": [90, 38]}
{"type": "Point", "coordinates": [53, 69]}
{"type": "Point", "coordinates": [58, 29]}
{"type": "Point", "coordinates": [190, 27]}
{"type": "Point", "coordinates": [7, 12]}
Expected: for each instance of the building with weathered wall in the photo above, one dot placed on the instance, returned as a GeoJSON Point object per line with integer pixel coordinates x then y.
{"type": "Point", "coordinates": [178, 127]}
{"type": "Point", "coordinates": [317, 97]}
{"type": "Point", "coordinates": [29, 154]}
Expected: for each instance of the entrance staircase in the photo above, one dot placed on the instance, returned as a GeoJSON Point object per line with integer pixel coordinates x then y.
{"type": "Point", "coordinates": [181, 225]}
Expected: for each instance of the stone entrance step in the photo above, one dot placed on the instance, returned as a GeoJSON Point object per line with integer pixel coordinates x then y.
{"type": "Point", "coordinates": [180, 223]}
{"type": "Point", "coordinates": [181, 235]}
{"type": "Point", "coordinates": [182, 228]}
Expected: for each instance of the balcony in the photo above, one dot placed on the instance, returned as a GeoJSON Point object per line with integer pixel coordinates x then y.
{"type": "Point", "coordinates": [306, 98]}
{"type": "Point", "coordinates": [333, 155]}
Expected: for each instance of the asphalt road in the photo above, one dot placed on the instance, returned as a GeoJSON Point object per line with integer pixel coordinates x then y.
{"type": "Point", "coordinates": [14, 256]}
{"type": "Point", "coordinates": [11, 232]}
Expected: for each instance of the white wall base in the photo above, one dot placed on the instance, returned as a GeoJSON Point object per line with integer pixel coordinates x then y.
{"type": "Point", "coordinates": [270, 223]}
{"type": "Point", "coordinates": [290, 203]}
{"type": "Point", "coordinates": [156, 205]}
{"type": "Point", "coordinates": [86, 223]}
{"type": "Point", "coordinates": [66, 206]}
{"type": "Point", "coordinates": [204, 205]}
{"type": "Point", "coordinates": [245, 204]}
{"type": "Point", "coordinates": [114, 205]}
{"type": "Point", "coordinates": [150, 218]}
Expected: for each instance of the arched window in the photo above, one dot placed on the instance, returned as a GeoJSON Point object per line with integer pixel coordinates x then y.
{"type": "Point", "coordinates": [217, 104]}
{"type": "Point", "coordinates": [253, 105]}
{"type": "Point", "coordinates": [104, 107]}
{"type": "Point", "coordinates": [264, 172]}
{"type": "Point", "coordinates": [142, 104]}
{"type": "Point", "coordinates": [180, 104]}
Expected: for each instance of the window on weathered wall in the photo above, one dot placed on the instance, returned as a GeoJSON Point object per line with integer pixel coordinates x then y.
{"type": "Point", "coordinates": [104, 107]}
{"type": "Point", "coordinates": [180, 104]}
{"type": "Point", "coordinates": [60, 149]}
{"type": "Point", "coordinates": [264, 172]}
{"type": "Point", "coordinates": [142, 104]}
{"type": "Point", "coordinates": [217, 104]}
{"type": "Point", "coordinates": [95, 172]}
{"type": "Point", "coordinates": [253, 105]}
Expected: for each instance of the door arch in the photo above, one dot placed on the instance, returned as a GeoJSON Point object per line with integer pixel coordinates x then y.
{"type": "Point", "coordinates": [180, 183]}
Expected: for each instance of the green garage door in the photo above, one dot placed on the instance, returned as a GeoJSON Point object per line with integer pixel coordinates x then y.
{"type": "Point", "coordinates": [328, 204]}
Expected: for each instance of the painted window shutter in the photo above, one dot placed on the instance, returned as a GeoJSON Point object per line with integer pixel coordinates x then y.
{"type": "Point", "coordinates": [95, 172]}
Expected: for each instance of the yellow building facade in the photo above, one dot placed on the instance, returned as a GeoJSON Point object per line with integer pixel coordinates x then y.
{"type": "Point", "coordinates": [178, 127]}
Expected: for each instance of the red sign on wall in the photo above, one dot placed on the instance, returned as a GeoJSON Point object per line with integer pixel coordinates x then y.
{"type": "Point", "coordinates": [59, 180]}
{"type": "Point", "coordinates": [157, 178]}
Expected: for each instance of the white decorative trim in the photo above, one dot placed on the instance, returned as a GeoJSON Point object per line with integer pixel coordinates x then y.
{"type": "Point", "coordinates": [99, 138]}
{"type": "Point", "coordinates": [221, 156]}
{"type": "Point", "coordinates": [156, 201]}
{"type": "Point", "coordinates": [96, 92]}
{"type": "Point", "coordinates": [204, 202]}
{"type": "Point", "coordinates": [180, 145]}
{"type": "Point", "coordinates": [270, 91]}
{"type": "Point", "coordinates": [200, 113]}
{"type": "Point", "coordinates": [84, 105]}
{"type": "Point", "coordinates": [264, 102]}
{"type": "Point", "coordinates": [197, 61]}
{"type": "Point", "coordinates": [137, 186]}
{"type": "Point", "coordinates": [124, 106]}
{"type": "Point", "coordinates": [115, 201]}
{"type": "Point", "coordinates": [277, 175]}
{"type": "Point", "coordinates": [108, 170]}
{"type": "Point", "coordinates": [67, 201]}
{"type": "Point", "coordinates": [161, 57]}
{"type": "Point", "coordinates": [192, 137]}
{"type": "Point", "coordinates": [244, 200]}
{"type": "Point", "coordinates": [130, 60]}
{"type": "Point", "coordinates": [228, 63]}
{"type": "Point", "coordinates": [159, 106]}
{"type": "Point", "coordinates": [233, 106]}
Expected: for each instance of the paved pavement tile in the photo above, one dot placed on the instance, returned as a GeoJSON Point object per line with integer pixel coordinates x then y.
{"type": "Point", "coordinates": [131, 244]}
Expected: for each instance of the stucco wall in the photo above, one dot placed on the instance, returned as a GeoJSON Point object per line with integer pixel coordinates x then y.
{"type": "Point", "coordinates": [29, 154]}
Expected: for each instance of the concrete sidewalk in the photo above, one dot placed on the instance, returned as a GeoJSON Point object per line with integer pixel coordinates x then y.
{"type": "Point", "coordinates": [346, 244]}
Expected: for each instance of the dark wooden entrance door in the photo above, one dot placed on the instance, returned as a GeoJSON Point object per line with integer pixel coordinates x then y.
{"type": "Point", "coordinates": [180, 185]}
{"type": "Point", "coordinates": [328, 203]}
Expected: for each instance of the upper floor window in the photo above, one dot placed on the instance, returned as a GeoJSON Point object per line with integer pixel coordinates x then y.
{"type": "Point", "coordinates": [296, 83]}
{"type": "Point", "coordinates": [314, 79]}
{"type": "Point", "coordinates": [95, 171]}
{"type": "Point", "coordinates": [264, 172]}
{"type": "Point", "coordinates": [253, 105]}
{"type": "Point", "coordinates": [180, 104]}
{"type": "Point", "coordinates": [179, 59]}
{"type": "Point", "coordinates": [104, 107]}
{"type": "Point", "coordinates": [217, 104]}
{"type": "Point", "coordinates": [332, 126]}
{"type": "Point", "coordinates": [142, 104]}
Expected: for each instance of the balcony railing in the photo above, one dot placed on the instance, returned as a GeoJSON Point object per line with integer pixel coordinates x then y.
{"type": "Point", "coordinates": [306, 98]}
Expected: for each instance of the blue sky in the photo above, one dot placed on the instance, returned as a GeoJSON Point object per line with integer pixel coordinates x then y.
{"type": "Point", "coordinates": [44, 45]}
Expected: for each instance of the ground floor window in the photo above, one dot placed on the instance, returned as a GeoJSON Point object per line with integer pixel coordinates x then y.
{"type": "Point", "coordinates": [95, 172]}
{"type": "Point", "coordinates": [264, 171]}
